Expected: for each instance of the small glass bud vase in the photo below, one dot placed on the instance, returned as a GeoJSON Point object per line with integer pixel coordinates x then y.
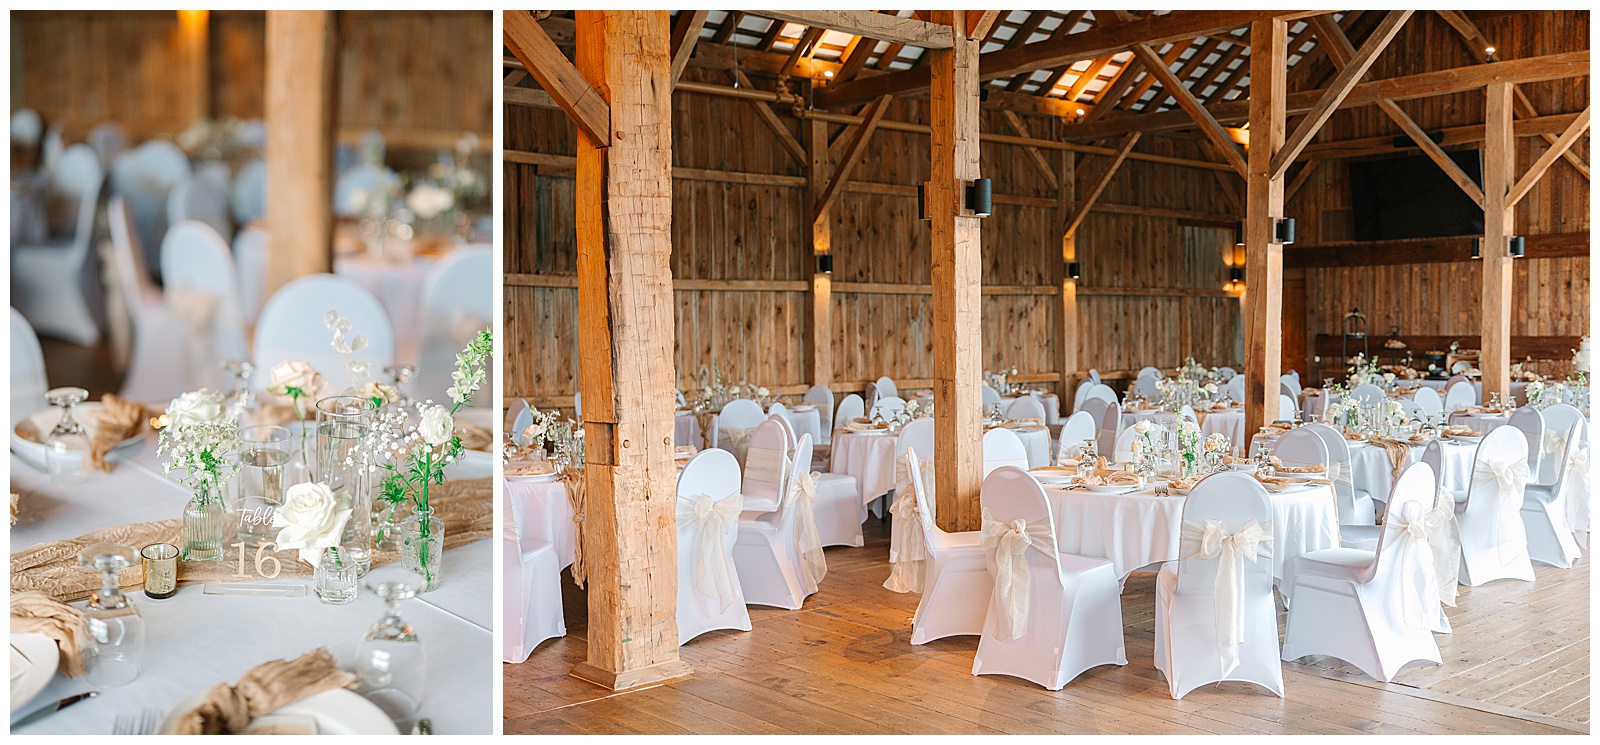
{"type": "Point", "coordinates": [335, 578]}
{"type": "Point", "coordinates": [387, 517]}
{"type": "Point", "coordinates": [202, 527]}
{"type": "Point", "coordinates": [422, 546]}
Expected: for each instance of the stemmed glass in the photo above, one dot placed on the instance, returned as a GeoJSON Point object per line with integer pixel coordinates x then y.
{"type": "Point", "coordinates": [391, 663]}
{"type": "Point", "coordinates": [67, 443]}
{"type": "Point", "coordinates": [400, 373]}
{"type": "Point", "coordinates": [241, 370]}
{"type": "Point", "coordinates": [116, 630]}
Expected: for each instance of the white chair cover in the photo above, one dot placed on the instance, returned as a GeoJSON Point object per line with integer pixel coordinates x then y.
{"type": "Point", "coordinates": [1286, 408]}
{"type": "Point", "coordinates": [1368, 393]}
{"type": "Point", "coordinates": [199, 198]}
{"type": "Point", "coordinates": [291, 328]}
{"type": "Point", "coordinates": [1051, 615]}
{"type": "Point", "coordinates": [1078, 427]}
{"type": "Point", "coordinates": [1234, 388]}
{"type": "Point", "coordinates": [202, 298]}
{"type": "Point", "coordinates": [1002, 447]}
{"type": "Point", "coordinates": [1215, 618]}
{"type": "Point", "coordinates": [770, 553]}
{"type": "Point", "coordinates": [1545, 516]}
{"type": "Point", "coordinates": [888, 406]}
{"type": "Point", "coordinates": [28, 380]}
{"type": "Point", "coordinates": [850, 408]}
{"type": "Point", "coordinates": [252, 252]}
{"type": "Point", "coordinates": [457, 303]}
{"type": "Point", "coordinates": [248, 195]}
{"type": "Point", "coordinates": [886, 387]}
{"type": "Point", "coordinates": [1428, 400]}
{"type": "Point", "coordinates": [141, 331]}
{"type": "Point", "coordinates": [1026, 407]}
{"type": "Point", "coordinates": [531, 590]}
{"type": "Point", "coordinates": [57, 285]}
{"type": "Point", "coordinates": [144, 176]}
{"type": "Point", "coordinates": [1530, 423]}
{"type": "Point", "coordinates": [1293, 383]}
{"type": "Point", "coordinates": [953, 574]}
{"type": "Point", "coordinates": [1493, 542]}
{"type": "Point", "coordinates": [917, 436]}
{"type": "Point", "coordinates": [1356, 506]}
{"type": "Point", "coordinates": [735, 425]}
{"type": "Point", "coordinates": [519, 417]}
{"type": "Point", "coordinates": [766, 465]}
{"type": "Point", "coordinates": [822, 396]}
{"type": "Point", "coordinates": [991, 397]}
{"type": "Point", "coordinates": [1226, 373]}
{"type": "Point", "coordinates": [108, 140]}
{"type": "Point", "coordinates": [709, 595]}
{"type": "Point", "coordinates": [1110, 428]}
{"type": "Point", "coordinates": [1376, 610]}
{"type": "Point", "coordinates": [1080, 394]}
{"type": "Point", "coordinates": [26, 127]}
{"type": "Point", "coordinates": [1145, 386]}
{"type": "Point", "coordinates": [357, 186]}
{"type": "Point", "coordinates": [1460, 396]}
{"type": "Point", "coordinates": [1101, 391]}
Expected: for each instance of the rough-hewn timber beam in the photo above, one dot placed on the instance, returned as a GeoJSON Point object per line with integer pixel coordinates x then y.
{"type": "Point", "coordinates": [770, 118]}
{"type": "Point", "coordinates": [1088, 200]}
{"type": "Point", "coordinates": [852, 155]}
{"type": "Point", "coordinates": [1068, 49]}
{"type": "Point", "coordinates": [1175, 87]}
{"type": "Point", "coordinates": [1352, 73]}
{"type": "Point", "coordinates": [867, 23]}
{"type": "Point", "coordinates": [1560, 147]}
{"type": "Point", "coordinates": [557, 76]}
{"type": "Point", "coordinates": [685, 33]}
{"type": "Point", "coordinates": [1039, 161]}
{"type": "Point", "coordinates": [1421, 85]}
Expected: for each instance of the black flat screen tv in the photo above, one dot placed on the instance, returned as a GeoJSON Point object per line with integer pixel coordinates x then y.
{"type": "Point", "coordinates": [1411, 197]}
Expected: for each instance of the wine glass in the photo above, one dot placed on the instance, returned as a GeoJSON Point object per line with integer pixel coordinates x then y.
{"type": "Point", "coordinates": [241, 370]}
{"type": "Point", "coordinates": [67, 443]}
{"type": "Point", "coordinates": [400, 373]}
{"type": "Point", "coordinates": [391, 664]}
{"type": "Point", "coordinates": [116, 630]}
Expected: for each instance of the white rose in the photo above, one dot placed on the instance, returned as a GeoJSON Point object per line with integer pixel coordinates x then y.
{"type": "Point", "coordinates": [1143, 426]}
{"type": "Point", "coordinates": [436, 426]}
{"type": "Point", "coordinates": [763, 392]}
{"type": "Point", "coordinates": [311, 517]}
{"type": "Point", "coordinates": [195, 407]}
{"type": "Point", "coordinates": [296, 374]}
{"type": "Point", "coordinates": [380, 393]}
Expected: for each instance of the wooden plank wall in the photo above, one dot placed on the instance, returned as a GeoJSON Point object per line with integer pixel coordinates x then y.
{"type": "Point", "coordinates": [1551, 295]}
{"type": "Point", "coordinates": [410, 74]}
{"type": "Point", "coordinates": [757, 234]}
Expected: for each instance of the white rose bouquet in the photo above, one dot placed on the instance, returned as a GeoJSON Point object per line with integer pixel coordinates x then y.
{"type": "Point", "coordinates": [412, 458]}
{"type": "Point", "coordinates": [1189, 442]}
{"type": "Point", "coordinates": [311, 520]}
{"type": "Point", "coordinates": [202, 438]}
{"type": "Point", "coordinates": [1533, 392]}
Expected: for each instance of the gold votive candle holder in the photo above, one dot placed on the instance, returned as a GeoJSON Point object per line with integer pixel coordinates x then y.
{"type": "Point", "coordinates": [160, 562]}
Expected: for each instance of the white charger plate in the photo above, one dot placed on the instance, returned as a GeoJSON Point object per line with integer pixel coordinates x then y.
{"type": "Point", "coordinates": [36, 657]}
{"type": "Point", "coordinates": [338, 712]}
{"type": "Point", "coordinates": [1108, 488]}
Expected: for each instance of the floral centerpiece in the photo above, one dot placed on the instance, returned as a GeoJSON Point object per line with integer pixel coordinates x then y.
{"type": "Point", "coordinates": [1216, 446]}
{"type": "Point", "coordinates": [1535, 393]}
{"type": "Point", "coordinates": [1145, 449]}
{"type": "Point", "coordinates": [302, 385]}
{"type": "Point", "coordinates": [1190, 446]}
{"type": "Point", "coordinates": [1364, 371]}
{"type": "Point", "coordinates": [201, 436]}
{"type": "Point", "coordinates": [412, 457]}
{"type": "Point", "coordinates": [1344, 414]}
{"type": "Point", "coordinates": [537, 436]}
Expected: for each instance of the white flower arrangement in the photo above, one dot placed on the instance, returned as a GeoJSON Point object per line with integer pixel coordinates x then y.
{"type": "Point", "coordinates": [202, 438]}
{"type": "Point", "coordinates": [1534, 391]}
{"type": "Point", "coordinates": [311, 520]}
{"type": "Point", "coordinates": [537, 434]}
{"type": "Point", "coordinates": [1189, 440]}
{"type": "Point", "coordinates": [1393, 412]}
{"type": "Point", "coordinates": [1217, 442]}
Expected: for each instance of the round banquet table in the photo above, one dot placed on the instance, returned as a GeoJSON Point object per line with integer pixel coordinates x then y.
{"type": "Point", "coordinates": [194, 641]}
{"type": "Point", "coordinates": [686, 430]}
{"type": "Point", "coordinates": [1372, 471]}
{"type": "Point", "coordinates": [870, 458]}
{"type": "Point", "coordinates": [1227, 422]}
{"type": "Point", "coordinates": [804, 421]}
{"type": "Point", "coordinates": [1052, 405]}
{"type": "Point", "coordinates": [1483, 423]}
{"type": "Point", "coordinates": [1139, 529]}
{"type": "Point", "coordinates": [542, 511]}
{"type": "Point", "coordinates": [398, 287]}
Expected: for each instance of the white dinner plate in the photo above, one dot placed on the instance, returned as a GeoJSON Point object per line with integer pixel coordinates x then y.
{"type": "Point", "coordinates": [869, 432]}
{"type": "Point", "coordinates": [1107, 488]}
{"type": "Point", "coordinates": [1243, 467]}
{"type": "Point", "coordinates": [543, 478]}
{"type": "Point", "coordinates": [804, 407]}
{"type": "Point", "coordinates": [27, 435]}
{"type": "Point", "coordinates": [338, 712]}
{"type": "Point", "coordinates": [34, 659]}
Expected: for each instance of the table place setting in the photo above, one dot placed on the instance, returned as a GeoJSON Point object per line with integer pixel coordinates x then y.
{"type": "Point", "coordinates": [355, 492]}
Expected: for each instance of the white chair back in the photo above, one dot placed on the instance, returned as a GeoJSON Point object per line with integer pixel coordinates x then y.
{"type": "Point", "coordinates": [888, 406]}
{"type": "Point", "coordinates": [925, 501]}
{"type": "Point", "coordinates": [850, 409]}
{"type": "Point", "coordinates": [1368, 393]}
{"type": "Point", "coordinates": [144, 176]}
{"type": "Point", "coordinates": [519, 417]}
{"type": "Point", "coordinates": [1124, 450]}
{"type": "Point", "coordinates": [1234, 388]}
{"type": "Point", "coordinates": [822, 396]}
{"type": "Point", "coordinates": [1148, 372]}
{"type": "Point", "coordinates": [1530, 423]}
{"type": "Point", "coordinates": [1187, 412]}
{"type": "Point", "coordinates": [1009, 493]}
{"type": "Point", "coordinates": [78, 174]}
{"type": "Point", "coordinates": [918, 436]}
{"type": "Point", "coordinates": [198, 198]}
{"type": "Point", "coordinates": [1078, 427]}
{"type": "Point", "coordinates": [1094, 376]}
{"type": "Point", "coordinates": [1226, 373]}
{"type": "Point", "coordinates": [741, 412]}
{"type": "Point", "coordinates": [1494, 544]}
{"type": "Point", "coordinates": [1460, 366]}
{"type": "Point", "coordinates": [291, 328]}
{"type": "Point", "coordinates": [1410, 498]}
{"type": "Point", "coordinates": [128, 261]}
{"type": "Point", "coordinates": [252, 252]}
{"type": "Point", "coordinates": [767, 463]}
{"type": "Point", "coordinates": [457, 303]}
{"type": "Point", "coordinates": [1558, 420]}
{"type": "Point", "coordinates": [26, 127]}
{"type": "Point", "coordinates": [1286, 408]}
{"type": "Point", "coordinates": [1433, 455]}
{"type": "Point", "coordinates": [359, 185]}
{"type": "Point", "coordinates": [1081, 393]}
{"type": "Point", "coordinates": [1293, 382]}
{"type": "Point", "coordinates": [1026, 407]}
{"type": "Point", "coordinates": [1301, 447]}
{"type": "Point", "coordinates": [1234, 499]}
{"type": "Point", "coordinates": [709, 593]}
{"type": "Point", "coordinates": [1460, 396]}
{"type": "Point", "coordinates": [886, 387]}
{"type": "Point", "coordinates": [202, 297]}
{"type": "Point", "coordinates": [1427, 399]}
{"type": "Point", "coordinates": [1101, 391]}
{"type": "Point", "coordinates": [1146, 386]}
{"type": "Point", "coordinates": [28, 379]}
{"type": "Point", "coordinates": [991, 397]}
{"type": "Point", "coordinates": [248, 194]}
{"type": "Point", "coordinates": [108, 140]}
{"type": "Point", "coordinates": [1110, 427]}
{"type": "Point", "coordinates": [577, 405]}
{"type": "Point", "coordinates": [1002, 447]}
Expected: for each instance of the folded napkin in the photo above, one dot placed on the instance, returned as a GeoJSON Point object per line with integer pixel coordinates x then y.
{"type": "Point", "coordinates": [1461, 430]}
{"type": "Point", "coordinates": [474, 437]}
{"type": "Point", "coordinates": [1274, 483]}
{"type": "Point", "coordinates": [14, 498]}
{"type": "Point", "coordinates": [116, 420]}
{"type": "Point", "coordinates": [465, 506]}
{"type": "Point", "coordinates": [1278, 467]}
{"type": "Point", "coordinates": [264, 689]}
{"type": "Point", "coordinates": [1020, 423]}
{"type": "Point", "coordinates": [38, 613]}
{"type": "Point", "coordinates": [1285, 426]}
{"type": "Point", "coordinates": [686, 450]}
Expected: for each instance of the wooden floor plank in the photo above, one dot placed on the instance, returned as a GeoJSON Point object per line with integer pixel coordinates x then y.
{"type": "Point", "coordinates": [1517, 663]}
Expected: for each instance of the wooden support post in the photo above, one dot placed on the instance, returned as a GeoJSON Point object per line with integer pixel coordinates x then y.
{"type": "Point", "coordinates": [625, 311]}
{"type": "Point", "coordinates": [1067, 338]}
{"type": "Point", "coordinates": [957, 278]}
{"type": "Point", "coordinates": [821, 299]}
{"type": "Point", "coordinates": [300, 110]}
{"type": "Point", "coordinates": [1263, 298]}
{"type": "Point", "coordinates": [1499, 161]}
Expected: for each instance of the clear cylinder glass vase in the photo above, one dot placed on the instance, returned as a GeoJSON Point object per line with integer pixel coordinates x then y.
{"type": "Point", "coordinates": [343, 423]}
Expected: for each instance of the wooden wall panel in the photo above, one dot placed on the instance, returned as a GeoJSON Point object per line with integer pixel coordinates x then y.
{"type": "Point", "coordinates": [413, 75]}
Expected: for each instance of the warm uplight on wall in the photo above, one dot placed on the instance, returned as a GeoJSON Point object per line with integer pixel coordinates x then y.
{"type": "Point", "coordinates": [1240, 135]}
{"type": "Point", "coordinates": [1489, 53]}
{"type": "Point", "coordinates": [1236, 278]}
{"type": "Point", "coordinates": [1074, 270]}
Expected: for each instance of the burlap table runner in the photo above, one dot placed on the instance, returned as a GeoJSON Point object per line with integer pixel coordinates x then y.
{"type": "Point", "coordinates": [465, 506]}
{"type": "Point", "coordinates": [228, 709]}
{"type": "Point", "coordinates": [1399, 452]}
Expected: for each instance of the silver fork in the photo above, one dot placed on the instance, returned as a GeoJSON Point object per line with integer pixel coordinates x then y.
{"type": "Point", "coordinates": [122, 726]}
{"type": "Point", "coordinates": [149, 720]}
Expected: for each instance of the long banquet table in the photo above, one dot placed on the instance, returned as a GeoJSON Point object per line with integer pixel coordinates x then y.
{"type": "Point", "coordinates": [194, 641]}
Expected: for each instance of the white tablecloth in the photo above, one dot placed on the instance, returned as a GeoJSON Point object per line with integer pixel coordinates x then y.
{"type": "Point", "coordinates": [869, 458]}
{"type": "Point", "coordinates": [1228, 422]}
{"type": "Point", "coordinates": [543, 511]}
{"type": "Point", "coordinates": [398, 286]}
{"type": "Point", "coordinates": [1484, 423]}
{"type": "Point", "coordinates": [1052, 405]}
{"type": "Point", "coordinates": [1373, 472]}
{"type": "Point", "coordinates": [686, 430]}
{"type": "Point", "coordinates": [1139, 529]}
{"type": "Point", "coordinates": [194, 641]}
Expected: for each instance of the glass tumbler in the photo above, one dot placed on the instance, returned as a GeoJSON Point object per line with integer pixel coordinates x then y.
{"type": "Point", "coordinates": [260, 484]}
{"type": "Point", "coordinates": [343, 423]}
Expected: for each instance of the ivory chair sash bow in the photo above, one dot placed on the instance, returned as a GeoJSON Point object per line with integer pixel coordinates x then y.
{"type": "Point", "coordinates": [737, 440]}
{"type": "Point", "coordinates": [1546, 516]}
{"type": "Point", "coordinates": [712, 519]}
{"type": "Point", "coordinates": [950, 572]}
{"type": "Point", "coordinates": [803, 500]}
{"type": "Point", "coordinates": [770, 553]}
{"type": "Point", "coordinates": [910, 560]}
{"type": "Point", "coordinates": [1415, 527]}
{"type": "Point", "coordinates": [1497, 485]}
{"type": "Point", "coordinates": [1013, 583]}
{"type": "Point", "coordinates": [1251, 543]}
